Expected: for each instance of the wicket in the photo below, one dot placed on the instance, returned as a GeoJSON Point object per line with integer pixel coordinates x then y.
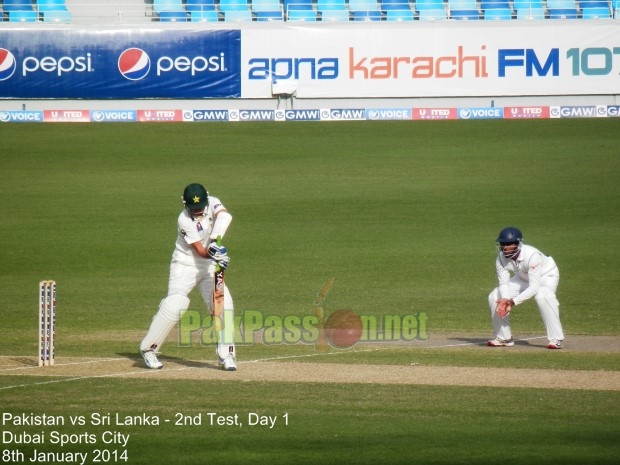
{"type": "Point", "coordinates": [47, 322]}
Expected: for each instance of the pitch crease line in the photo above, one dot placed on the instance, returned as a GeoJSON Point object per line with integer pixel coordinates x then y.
{"type": "Point", "coordinates": [147, 372]}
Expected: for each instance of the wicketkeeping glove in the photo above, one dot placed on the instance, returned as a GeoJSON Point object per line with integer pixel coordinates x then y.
{"type": "Point", "coordinates": [503, 307]}
{"type": "Point", "coordinates": [217, 252]}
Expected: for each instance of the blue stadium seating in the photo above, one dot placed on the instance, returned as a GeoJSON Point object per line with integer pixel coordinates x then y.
{"type": "Point", "coordinates": [19, 11]}
{"type": "Point", "coordinates": [389, 5]}
{"type": "Point", "coordinates": [529, 9]}
{"type": "Point", "coordinates": [563, 13]}
{"type": "Point", "coordinates": [526, 4]}
{"type": "Point", "coordinates": [595, 12]}
{"type": "Point", "coordinates": [53, 11]}
{"type": "Point", "coordinates": [503, 14]}
{"type": "Point", "coordinates": [298, 5]}
{"type": "Point", "coordinates": [234, 5]}
{"type": "Point", "coordinates": [496, 9]}
{"type": "Point", "coordinates": [562, 9]}
{"type": "Point", "coordinates": [173, 16]}
{"type": "Point", "coordinates": [56, 17]}
{"type": "Point", "coordinates": [463, 9]}
{"type": "Point", "coordinates": [593, 4]}
{"type": "Point", "coordinates": [301, 15]}
{"type": "Point", "coordinates": [531, 13]}
{"type": "Point", "coordinates": [267, 10]}
{"type": "Point", "coordinates": [269, 16]}
{"type": "Point", "coordinates": [365, 10]}
{"type": "Point", "coordinates": [160, 6]}
{"type": "Point", "coordinates": [370, 15]}
{"type": "Point", "coordinates": [17, 5]}
{"type": "Point", "coordinates": [18, 16]}
{"type": "Point", "coordinates": [430, 10]}
{"type": "Point", "coordinates": [595, 9]}
{"type": "Point", "coordinates": [243, 16]}
{"type": "Point", "coordinates": [333, 10]}
{"type": "Point", "coordinates": [200, 5]}
{"type": "Point", "coordinates": [51, 5]}
{"type": "Point", "coordinates": [429, 5]}
{"type": "Point", "coordinates": [432, 15]}
{"type": "Point", "coordinates": [209, 16]}
{"type": "Point", "coordinates": [494, 4]}
{"type": "Point", "coordinates": [299, 10]}
{"type": "Point", "coordinates": [335, 15]}
{"type": "Point", "coordinates": [236, 10]}
{"type": "Point", "coordinates": [399, 15]}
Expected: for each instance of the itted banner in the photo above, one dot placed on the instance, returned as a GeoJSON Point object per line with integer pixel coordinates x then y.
{"type": "Point", "coordinates": [119, 64]}
{"type": "Point", "coordinates": [450, 58]}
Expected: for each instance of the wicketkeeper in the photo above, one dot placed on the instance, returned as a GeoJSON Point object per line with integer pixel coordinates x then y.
{"type": "Point", "coordinates": [195, 255]}
{"type": "Point", "coordinates": [524, 272]}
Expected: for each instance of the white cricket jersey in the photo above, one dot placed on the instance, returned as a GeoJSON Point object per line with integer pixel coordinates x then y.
{"type": "Point", "coordinates": [194, 230]}
{"type": "Point", "coordinates": [530, 266]}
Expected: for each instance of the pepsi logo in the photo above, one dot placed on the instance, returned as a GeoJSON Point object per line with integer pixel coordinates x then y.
{"type": "Point", "coordinates": [8, 64]}
{"type": "Point", "coordinates": [134, 64]}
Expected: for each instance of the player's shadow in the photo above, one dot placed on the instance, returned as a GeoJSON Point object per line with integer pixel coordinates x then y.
{"type": "Point", "coordinates": [483, 341]}
{"type": "Point", "coordinates": [28, 361]}
{"type": "Point", "coordinates": [470, 340]}
{"type": "Point", "coordinates": [139, 362]}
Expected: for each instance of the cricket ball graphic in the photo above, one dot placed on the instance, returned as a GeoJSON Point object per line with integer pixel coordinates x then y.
{"type": "Point", "coordinates": [343, 328]}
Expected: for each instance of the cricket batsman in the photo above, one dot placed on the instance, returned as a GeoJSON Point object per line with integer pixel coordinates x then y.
{"type": "Point", "coordinates": [524, 272]}
{"type": "Point", "coordinates": [194, 259]}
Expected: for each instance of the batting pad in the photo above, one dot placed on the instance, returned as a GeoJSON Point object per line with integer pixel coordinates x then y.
{"type": "Point", "coordinates": [226, 337]}
{"type": "Point", "coordinates": [171, 310]}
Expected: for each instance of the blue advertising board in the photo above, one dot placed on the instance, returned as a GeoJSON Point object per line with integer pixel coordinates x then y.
{"type": "Point", "coordinates": [123, 64]}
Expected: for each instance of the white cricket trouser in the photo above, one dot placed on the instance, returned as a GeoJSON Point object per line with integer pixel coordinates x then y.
{"type": "Point", "coordinates": [547, 302]}
{"type": "Point", "coordinates": [182, 280]}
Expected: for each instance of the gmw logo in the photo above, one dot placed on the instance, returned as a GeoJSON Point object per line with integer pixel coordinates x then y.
{"type": "Point", "coordinates": [135, 64]}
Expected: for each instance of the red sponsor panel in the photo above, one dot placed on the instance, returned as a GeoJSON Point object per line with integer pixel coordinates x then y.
{"type": "Point", "coordinates": [434, 113]}
{"type": "Point", "coordinates": [66, 116]}
{"type": "Point", "coordinates": [526, 112]}
{"type": "Point", "coordinates": [160, 115]}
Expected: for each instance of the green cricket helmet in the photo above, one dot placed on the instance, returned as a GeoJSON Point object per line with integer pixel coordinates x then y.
{"type": "Point", "coordinates": [196, 199]}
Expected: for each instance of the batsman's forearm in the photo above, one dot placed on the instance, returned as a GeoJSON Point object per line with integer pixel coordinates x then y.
{"type": "Point", "coordinates": [222, 221]}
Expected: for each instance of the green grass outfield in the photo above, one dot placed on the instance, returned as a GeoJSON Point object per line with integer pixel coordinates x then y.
{"type": "Point", "coordinates": [402, 214]}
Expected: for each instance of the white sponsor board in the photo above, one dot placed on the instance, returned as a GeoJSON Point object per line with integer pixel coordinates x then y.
{"type": "Point", "coordinates": [434, 60]}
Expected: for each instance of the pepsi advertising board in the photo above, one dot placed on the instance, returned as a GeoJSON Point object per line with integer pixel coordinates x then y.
{"type": "Point", "coordinates": [127, 64]}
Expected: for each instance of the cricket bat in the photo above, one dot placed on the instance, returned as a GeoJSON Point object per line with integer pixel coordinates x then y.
{"type": "Point", "coordinates": [218, 294]}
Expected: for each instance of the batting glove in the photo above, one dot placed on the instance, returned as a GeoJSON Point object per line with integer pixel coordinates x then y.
{"type": "Point", "coordinates": [223, 263]}
{"type": "Point", "coordinates": [217, 252]}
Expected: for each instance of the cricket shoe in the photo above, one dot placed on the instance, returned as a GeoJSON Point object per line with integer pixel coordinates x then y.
{"type": "Point", "coordinates": [555, 344]}
{"type": "Point", "coordinates": [150, 360]}
{"type": "Point", "coordinates": [228, 363]}
{"type": "Point", "coordinates": [499, 342]}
